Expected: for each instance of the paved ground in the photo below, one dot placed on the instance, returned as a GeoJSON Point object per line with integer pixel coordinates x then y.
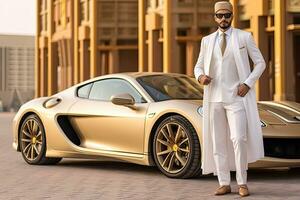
{"type": "Point", "coordinates": [81, 179]}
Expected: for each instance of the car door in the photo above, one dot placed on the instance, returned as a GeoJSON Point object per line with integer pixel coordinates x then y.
{"type": "Point", "coordinates": [103, 125]}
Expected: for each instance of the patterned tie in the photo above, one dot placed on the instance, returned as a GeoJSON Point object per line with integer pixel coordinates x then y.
{"type": "Point", "coordinates": [223, 43]}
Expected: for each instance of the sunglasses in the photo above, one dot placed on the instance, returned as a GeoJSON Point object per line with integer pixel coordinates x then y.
{"type": "Point", "coordinates": [221, 15]}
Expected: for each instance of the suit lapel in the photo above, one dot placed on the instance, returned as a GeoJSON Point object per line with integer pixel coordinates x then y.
{"type": "Point", "coordinates": [211, 44]}
{"type": "Point", "coordinates": [236, 52]}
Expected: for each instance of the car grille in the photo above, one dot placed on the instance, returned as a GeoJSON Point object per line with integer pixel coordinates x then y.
{"type": "Point", "coordinates": [282, 148]}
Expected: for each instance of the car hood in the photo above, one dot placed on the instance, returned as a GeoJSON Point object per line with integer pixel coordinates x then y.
{"type": "Point", "coordinates": [279, 113]}
{"type": "Point", "coordinates": [195, 102]}
{"type": "Point", "coordinates": [275, 113]}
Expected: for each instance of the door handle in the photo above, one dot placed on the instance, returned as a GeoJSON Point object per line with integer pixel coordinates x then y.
{"type": "Point", "coordinates": [52, 102]}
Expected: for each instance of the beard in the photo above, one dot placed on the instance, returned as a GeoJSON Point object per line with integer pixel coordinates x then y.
{"type": "Point", "coordinates": [225, 25]}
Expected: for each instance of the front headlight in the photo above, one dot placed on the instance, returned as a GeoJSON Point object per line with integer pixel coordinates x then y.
{"type": "Point", "coordinates": [262, 124]}
{"type": "Point", "coordinates": [200, 110]}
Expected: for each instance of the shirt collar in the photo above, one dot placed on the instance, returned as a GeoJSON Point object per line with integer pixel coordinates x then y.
{"type": "Point", "coordinates": [228, 32]}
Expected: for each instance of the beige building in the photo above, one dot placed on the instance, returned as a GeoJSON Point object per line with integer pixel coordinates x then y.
{"type": "Point", "coordinates": [170, 32]}
{"type": "Point", "coordinates": [85, 38]}
{"type": "Point", "coordinates": [16, 70]}
{"type": "Point", "coordinates": [275, 25]}
{"type": "Point", "coordinates": [80, 39]}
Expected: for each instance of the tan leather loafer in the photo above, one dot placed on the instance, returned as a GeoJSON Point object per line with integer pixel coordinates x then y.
{"type": "Point", "coordinates": [243, 191]}
{"type": "Point", "coordinates": [224, 189]}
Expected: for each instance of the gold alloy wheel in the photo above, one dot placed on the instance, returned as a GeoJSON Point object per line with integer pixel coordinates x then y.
{"type": "Point", "coordinates": [172, 147]}
{"type": "Point", "coordinates": [31, 139]}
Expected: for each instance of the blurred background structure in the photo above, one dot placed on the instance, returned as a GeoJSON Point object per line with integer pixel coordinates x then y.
{"type": "Point", "coordinates": [80, 39]}
{"type": "Point", "coordinates": [275, 25]}
{"type": "Point", "coordinates": [170, 33]}
{"type": "Point", "coordinates": [16, 71]}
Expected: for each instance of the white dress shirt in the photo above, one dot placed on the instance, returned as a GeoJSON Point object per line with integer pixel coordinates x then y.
{"type": "Point", "coordinates": [223, 70]}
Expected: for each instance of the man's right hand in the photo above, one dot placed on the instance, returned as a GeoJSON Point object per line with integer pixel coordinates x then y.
{"type": "Point", "coordinates": [204, 79]}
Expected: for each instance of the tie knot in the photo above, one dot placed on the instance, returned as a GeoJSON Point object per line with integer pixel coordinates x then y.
{"type": "Point", "coordinates": [223, 34]}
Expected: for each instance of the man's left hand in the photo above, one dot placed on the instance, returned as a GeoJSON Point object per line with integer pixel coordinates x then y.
{"type": "Point", "coordinates": [243, 89]}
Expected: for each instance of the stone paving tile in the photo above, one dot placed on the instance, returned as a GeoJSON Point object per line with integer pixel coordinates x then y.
{"type": "Point", "coordinates": [88, 179]}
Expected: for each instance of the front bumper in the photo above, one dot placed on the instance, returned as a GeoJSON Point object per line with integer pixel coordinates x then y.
{"type": "Point", "coordinates": [286, 148]}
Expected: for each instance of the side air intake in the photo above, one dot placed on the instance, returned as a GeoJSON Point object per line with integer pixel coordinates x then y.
{"type": "Point", "coordinates": [67, 128]}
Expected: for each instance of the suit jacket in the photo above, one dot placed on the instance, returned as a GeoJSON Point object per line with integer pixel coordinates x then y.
{"type": "Point", "coordinates": [243, 46]}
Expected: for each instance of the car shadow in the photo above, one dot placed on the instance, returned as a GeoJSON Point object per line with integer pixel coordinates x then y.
{"type": "Point", "coordinates": [117, 166]}
{"type": "Point", "coordinates": [108, 165]}
{"type": "Point", "coordinates": [253, 174]}
{"type": "Point", "coordinates": [274, 174]}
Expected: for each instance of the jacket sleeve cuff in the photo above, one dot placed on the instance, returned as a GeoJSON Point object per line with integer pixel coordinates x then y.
{"type": "Point", "coordinates": [248, 83]}
{"type": "Point", "coordinates": [197, 76]}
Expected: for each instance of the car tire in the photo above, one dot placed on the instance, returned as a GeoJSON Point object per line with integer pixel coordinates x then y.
{"type": "Point", "coordinates": [32, 141]}
{"type": "Point", "coordinates": [177, 155]}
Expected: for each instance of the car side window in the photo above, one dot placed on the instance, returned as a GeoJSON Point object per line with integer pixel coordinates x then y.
{"type": "Point", "coordinates": [84, 90]}
{"type": "Point", "coordinates": [104, 89]}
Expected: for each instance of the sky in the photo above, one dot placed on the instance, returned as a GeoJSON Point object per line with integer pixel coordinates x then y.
{"type": "Point", "coordinates": [17, 17]}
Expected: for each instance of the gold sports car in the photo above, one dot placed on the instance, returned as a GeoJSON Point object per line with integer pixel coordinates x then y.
{"type": "Point", "coordinates": [143, 118]}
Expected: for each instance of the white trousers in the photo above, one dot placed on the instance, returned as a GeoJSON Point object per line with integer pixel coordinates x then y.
{"type": "Point", "coordinates": [222, 117]}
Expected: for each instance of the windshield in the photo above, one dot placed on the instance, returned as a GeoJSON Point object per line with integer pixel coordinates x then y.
{"type": "Point", "coordinates": [167, 87]}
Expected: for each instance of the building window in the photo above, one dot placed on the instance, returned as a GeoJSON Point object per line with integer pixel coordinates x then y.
{"type": "Point", "coordinates": [297, 20]}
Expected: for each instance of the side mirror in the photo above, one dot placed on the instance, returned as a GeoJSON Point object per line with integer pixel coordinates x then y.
{"type": "Point", "coordinates": [124, 99]}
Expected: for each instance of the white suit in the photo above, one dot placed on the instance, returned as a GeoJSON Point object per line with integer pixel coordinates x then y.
{"type": "Point", "coordinates": [242, 44]}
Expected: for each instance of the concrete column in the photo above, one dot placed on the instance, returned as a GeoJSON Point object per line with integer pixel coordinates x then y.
{"type": "Point", "coordinates": [37, 52]}
{"type": "Point", "coordinates": [70, 65]}
{"type": "Point", "coordinates": [93, 44]}
{"type": "Point", "coordinates": [43, 72]}
{"type": "Point", "coordinates": [280, 47]}
{"type": "Point", "coordinates": [235, 13]}
{"type": "Point", "coordinates": [76, 77]}
{"type": "Point", "coordinates": [51, 73]}
{"type": "Point", "coordinates": [63, 65]}
{"type": "Point", "coordinates": [81, 60]}
{"type": "Point", "coordinates": [290, 61]}
{"type": "Point", "coordinates": [258, 24]}
{"type": "Point", "coordinates": [142, 36]}
{"type": "Point", "coordinates": [167, 33]}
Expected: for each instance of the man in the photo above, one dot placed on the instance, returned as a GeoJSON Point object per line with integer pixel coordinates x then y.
{"type": "Point", "coordinates": [232, 135]}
